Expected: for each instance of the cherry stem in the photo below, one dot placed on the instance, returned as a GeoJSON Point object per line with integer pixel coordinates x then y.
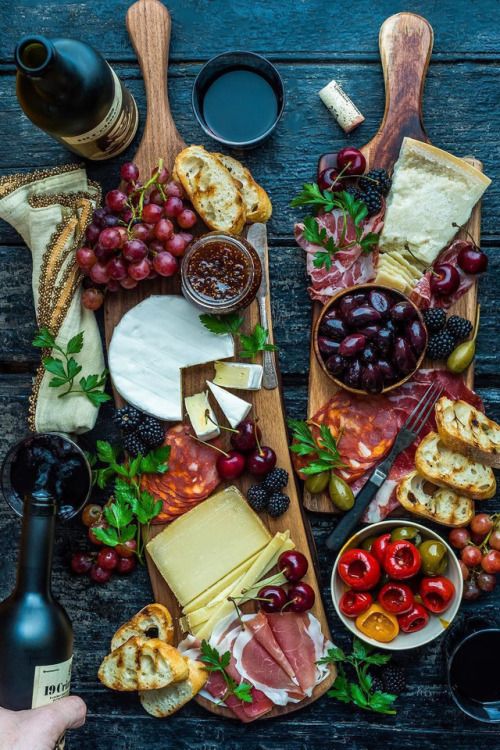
{"type": "Point", "coordinates": [457, 226]}
{"type": "Point", "coordinates": [209, 445]}
{"type": "Point", "coordinates": [222, 427]}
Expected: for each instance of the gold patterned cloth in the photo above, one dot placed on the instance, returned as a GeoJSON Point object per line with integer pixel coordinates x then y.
{"type": "Point", "coordinates": [51, 210]}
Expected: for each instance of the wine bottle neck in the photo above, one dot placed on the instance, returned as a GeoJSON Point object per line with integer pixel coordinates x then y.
{"type": "Point", "coordinates": [37, 545]}
{"type": "Point", "coordinates": [35, 55]}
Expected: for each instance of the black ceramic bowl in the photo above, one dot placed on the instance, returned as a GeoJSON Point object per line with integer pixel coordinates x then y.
{"type": "Point", "coordinates": [237, 61]}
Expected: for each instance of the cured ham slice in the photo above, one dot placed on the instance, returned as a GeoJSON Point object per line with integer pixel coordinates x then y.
{"type": "Point", "coordinates": [422, 294]}
{"type": "Point", "coordinates": [291, 632]}
{"type": "Point", "coordinates": [259, 626]}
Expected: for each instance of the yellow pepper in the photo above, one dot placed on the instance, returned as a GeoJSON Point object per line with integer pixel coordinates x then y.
{"type": "Point", "coordinates": [378, 624]}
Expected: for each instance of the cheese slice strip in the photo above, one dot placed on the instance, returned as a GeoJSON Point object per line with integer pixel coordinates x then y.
{"type": "Point", "coordinates": [202, 546]}
{"type": "Point", "coordinates": [267, 558]}
{"type": "Point", "coordinates": [431, 191]}
{"type": "Point", "coordinates": [213, 593]}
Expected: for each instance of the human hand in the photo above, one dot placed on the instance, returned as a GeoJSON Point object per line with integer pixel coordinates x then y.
{"type": "Point", "coordinates": [40, 728]}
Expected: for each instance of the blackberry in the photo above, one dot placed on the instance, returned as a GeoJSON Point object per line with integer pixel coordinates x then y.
{"type": "Point", "coordinates": [257, 497]}
{"type": "Point", "coordinates": [152, 432]}
{"type": "Point", "coordinates": [459, 328]}
{"type": "Point", "coordinates": [393, 678]}
{"type": "Point", "coordinates": [354, 191]}
{"type": "Point", "coordinates": [378, 179]}
{"type": "Point", "coordinates": [371, 198]}
{"type": "Point", "coordinates": [276, 480]}
{"type": "Point", "coordinates": [440, 345]}
{"type": "Point", "coordinates": [133, 444]}
{"type": "Point", "coordinates": [435, 319]}
{"type": "Point", "coordinates": [278, 504]}
{"type": "Point", "coordinates": [378, 684]}
{"type": "Point", "coordinates": [128, 418]}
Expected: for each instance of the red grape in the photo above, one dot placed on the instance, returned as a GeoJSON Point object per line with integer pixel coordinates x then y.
{"type": "Point", "coordinates": [163, 230]}
{"type": "Point", "coordinates": [471, 591]}
{"type": "Point", "coordinates": [134, 250]}
{"type": "Point", "coordinates": [173, 189]}
{"type": "Point", "coordinates": [186, 236]}
{"type": "Point", "coordinates": [127, 215]}
{"type": "Point", "coordinates": [112, 285]}
{"type": "Point", "coordinates": [173, 206]}
{"type": "Point", "coordinates": [81, 562]}
{"type": "Point", "coordinates": [127, 549]}
{"type": "Point", "coordinates": [176, 245]}
{"type": "Point", "coordinates": [161, 174]}
{"type": "Point", "coordinates": [125, 565]}
{"type": "Point", "coordinates": [494, 540]}
{"type": "Point", "coordinates": [110, 238]}
{"type": "Point", "coordinates": [152, 213]}
{"type": "Point", "coordinates": [459, 538]}
{"type": "Point", "coordinates": [186, 218]}
{"type": "Point", "coordinates": [141, 232]}
{"type": "Point", "coordinates": [165, 263]}
{"type": "Point", "coordinates": [99, 575]}
{"type": "Point", "coordinates": [116, 200]}
{"type": "Point", "coordinates": [477, 538]}
{"type": "Point", "coordinates": [139, 270]}
{"type": "Point", "coordinates": [92, 233]}
{"type": "Point", "coordinates": [123, 235]}
{"type": "Point", "coordinates": [111, 221]}
{"type": "Point", "coordinates": [128, 283]}
{"type": "Point", "coordinates": [486, 581]}
{"type": "Point", "coordinates": [85, 257]}
{"type": "Point", "coordinates": [102, 253]}
{"type": "Point", "coordinates": [471, 555]}
{"type": "Point", "coordinates": [92, 298]}
{"type": "Point", "coordinates": [117, 268]}
{"type": "Point", "coordinates": [152, 273]}
{"type": "Point", "coordinates": [156, 197]}
{"type": "Point", "coordinates": [464, 569]}
{"type": "Point", "coordinates": [99, 273]}
{"type": "Point", "coordinates": [107, 558]}
{"type": "Point", "coordinates": [129, 171]}
{"type": "Point", "coordinates": [491, 561]}
{"type": "Point", "coordinates": [481, 524]}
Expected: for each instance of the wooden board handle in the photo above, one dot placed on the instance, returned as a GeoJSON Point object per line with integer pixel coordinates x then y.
{"type": "Point", "coordinates": [149, 25]}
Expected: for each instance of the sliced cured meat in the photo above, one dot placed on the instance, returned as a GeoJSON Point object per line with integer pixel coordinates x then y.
{"type": "Point", "coordinates": [191, 477]}
{"type": "Point", "coordinates": [259, 626]}
{"type": "Point", "coordinates": [422, 294]}
{"type": "Point", "coordinates": [291, 632]}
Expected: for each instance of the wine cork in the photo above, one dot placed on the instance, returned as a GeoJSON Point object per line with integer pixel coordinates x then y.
{"type": "Point", "coordinates": [342, 108]}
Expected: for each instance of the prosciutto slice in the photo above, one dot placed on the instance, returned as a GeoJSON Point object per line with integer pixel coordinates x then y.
{"type": "Point", "coordinates": [259, 626]}
{"type": "Point", "coordinates": [422, 294]}
{"type": "Point", "coordinates": [291, 632]}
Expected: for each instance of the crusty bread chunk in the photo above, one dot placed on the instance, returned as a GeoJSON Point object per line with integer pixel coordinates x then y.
{"type": "Point", "coordinates": [211, 189]}
{"type": "Point", "coordinates": [464, 428]}
{"type": "Point", "coordinates": [166, 701]}
{"type": "Point", "coordinates": [439, 504]}
{"type": "Point", "coordinates": [154, 621]}
{"type": "Point", "coordinates": [448, 468]}
{"type": "Point", "coordinates": [142, 664]}
{"type": "Point", "coordinates": [257, 203]}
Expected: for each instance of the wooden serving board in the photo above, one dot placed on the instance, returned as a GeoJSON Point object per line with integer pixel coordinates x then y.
{"type": "Point", "coordinates": [148, 24]}
{"type": "Point", "coordinates": [405, 43]}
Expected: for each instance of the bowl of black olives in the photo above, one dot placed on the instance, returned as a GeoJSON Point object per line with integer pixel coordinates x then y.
{"type": "Point", "coordinates": [370, 339]}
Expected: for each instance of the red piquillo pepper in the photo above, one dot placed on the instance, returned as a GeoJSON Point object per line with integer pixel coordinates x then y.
{"type": "Point", "coordinates": [437, 593]}
{"type": "Point", "coordinates": [402, 560]}
{"type": "Point", "coordinates": [359, 569]}
{"type": "Point", "coordinates": [379, 547]}
{"type": "Point", "coordinates": [354, 603]}
{"type": "Point", "coordinates": [416, 619]}
{"type": "Point", "coordinates": [396, 597]}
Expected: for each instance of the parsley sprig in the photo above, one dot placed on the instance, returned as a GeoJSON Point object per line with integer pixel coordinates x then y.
{"type": "Point", "coordinates": [131, 507]}
{"type": "Point", "coordinates": [251, 344]}
{"type": "Point", "coordinates": [325, 448]}
{"type": "Point", "coordinates": [361, 693]}
{"type": "Point", "coordinates": [326, 200]}
{"type": "Point", "coordinates": [215, 662]}
{"type": "Point", "coordinates": [66, 368]}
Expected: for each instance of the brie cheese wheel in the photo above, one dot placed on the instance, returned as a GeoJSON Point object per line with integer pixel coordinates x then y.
{"type": "Point", "coordinates": [235, 409]}
{"type": "Point", "coordinates": [431, 191]}
{"type": "Point", "coordinates": [202, 417]}
{"type": "Point", "coordinates": [238, 375]}
{"type": "Point", "coordinates": [151, 345]}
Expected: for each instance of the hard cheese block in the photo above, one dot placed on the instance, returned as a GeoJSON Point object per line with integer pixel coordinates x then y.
{"type": "Point", "coordinates": [204, 545]}
{"type": "Point", "coordinates": [213, 593]}
{"type": "Point", "coordinates": [150, 346]}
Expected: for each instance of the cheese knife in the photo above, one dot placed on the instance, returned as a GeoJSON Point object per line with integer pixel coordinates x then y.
{"type": "Point", "coordinates": [257, 236]}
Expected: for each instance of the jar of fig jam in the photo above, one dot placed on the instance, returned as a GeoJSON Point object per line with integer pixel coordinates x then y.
{"type": "Point", "coordinates": [220, 273]}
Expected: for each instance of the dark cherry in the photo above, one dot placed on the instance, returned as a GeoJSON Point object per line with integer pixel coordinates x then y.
{"type": "Point", "coordinates": [445, 279]}
{"type": "Point", "coordinates": [125, 565]}
{"type": "Point", "coordinates": [231, 466]}
{"type": "Point", "coordinates": [333, 327]}
{"type": "Point", "coordinates": [380, 301]}
{"type": "Point", "coordinates": [370, 331]}
{"type": "Point", "coordinates": [350, 301]}
{"type": "Point", "coordinates": [417, 336]}
{"type": "Point", "coordinates": [262, 461]}
{"type": "Point", "coordinates": [327, 180]}
{"type": "Point", "coordinates": [328, 346]}
{"type": "Point", "coordinates": [353, 374]}
{"type": "Point", "coordinates": [368, 355]}
{"type": "Point", "coordinates": [245, 440]}
{"type": "Point", "coordinates": [384, 340]}
{"type": "Point", "coordinates": [275, 598]}
{"type": "Point", "coordinates": [107, 558]}
{"type": "Point", "coordinates": [470, 258]}
{"type": "Point", "coordinates": [293, 565]}
{"type": "Point", "coordinates": [99, 575]}
{"type": "Point", "coordinates": [301, 596]}
{"type": "Point", "coordinates": [81, 562]}
{"type": "Point", "coordinates": [336, 364]}
{"type": "Point", "coordinates": [352, 344]}
{"type": "Point", "coordinates": [404, 356]}
{"type": "Point", "coordinates": [403, 311]}
{"type": "Point", "coordinates": [371, 378]}
{"type": "Point", "coordinates": [351, 160]}
{"type": "Point", "coordinates": [361, 316]}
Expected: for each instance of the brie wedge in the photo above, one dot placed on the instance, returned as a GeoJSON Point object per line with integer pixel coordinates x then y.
{"type": "Point", "coordinates": [150, 346]}
{"type": "Point", "coordinates": [202, 417]}
{"type": "Point", "coordinates": [235, 409]}
{"type": "Point", "coordinates": [238, 375]}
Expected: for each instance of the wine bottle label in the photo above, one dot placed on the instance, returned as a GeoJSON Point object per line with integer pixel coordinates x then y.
{"type": "Point", "coordinates": [51, 682]}
{"type": "Point", "coordinates": [114, 133]}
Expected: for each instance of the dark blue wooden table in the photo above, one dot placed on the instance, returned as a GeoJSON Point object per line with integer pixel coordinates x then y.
{"type": "Point", "coordinates": [311, 41]}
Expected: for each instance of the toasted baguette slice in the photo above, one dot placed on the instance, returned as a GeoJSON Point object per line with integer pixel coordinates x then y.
{"type": "Point", "coordinates": [257, 202]}
{"type": "Point", "coordinates": [439, 504]}
{"type": "Point", "coordinates": [166, 701]}
{"type": "Point", "coordinates": [447, 468]}
{"type": "Point", "coordinates": [142, 664]}
{"type": "Point", "coordinates": [154, 621]}
{"type": "Point", "coordinates": [211, 189]}
{"type": "Point", "coordinates": [467, 430]}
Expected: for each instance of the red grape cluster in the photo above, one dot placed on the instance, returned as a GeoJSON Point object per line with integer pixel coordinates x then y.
{"type": "Point", "coordinates": [479, 547]}
{"type": "Point", "coordinates": [138, 234]}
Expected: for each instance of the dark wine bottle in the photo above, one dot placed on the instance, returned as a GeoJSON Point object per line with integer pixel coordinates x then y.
{"type": "Point", "coordinates": [68, 89]}
{"type": "Point", "coordinates": [36, 637]}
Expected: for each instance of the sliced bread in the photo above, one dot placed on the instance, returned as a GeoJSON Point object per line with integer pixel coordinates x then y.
{"type": "Point", "coordinates": [211, 189]}
{"type": "Point", "coordinates": [166, 701]}
{"type": "Point", "coordinates": [438, 504]}
{"type": "Point", "coordinates": [257, 203]}
{"type": "Point", "coordinates": [153, 621]}
{"type": "Point", "coordinates": [467, 430]}
{"type": "Point", "coordinates": [142, 664]}
{"type": "Point", "coordinates": [445, 467]}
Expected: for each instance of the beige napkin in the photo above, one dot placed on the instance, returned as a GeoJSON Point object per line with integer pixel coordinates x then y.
{"type": "Point", "coordinates": [51, 210]}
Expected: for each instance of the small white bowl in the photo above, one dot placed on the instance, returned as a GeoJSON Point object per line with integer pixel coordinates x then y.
{"type": "Point", "coordinates": [437, 623]}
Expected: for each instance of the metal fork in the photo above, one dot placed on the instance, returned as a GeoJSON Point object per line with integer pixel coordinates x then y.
{"type": "Point", "coordinates": [405, 437]}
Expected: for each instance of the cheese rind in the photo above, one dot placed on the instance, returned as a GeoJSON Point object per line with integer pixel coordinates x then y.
{"type": "Point", "coordinates": [238, 375]}
{"type": "Point", "coordinates": [201, 416]}
{"type": "Point", "coordinates": [235, 408]}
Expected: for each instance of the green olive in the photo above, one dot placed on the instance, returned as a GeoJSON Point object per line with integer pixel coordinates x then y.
{"type": "Point", "coordinates": [341, 494]}
{"type": "Point", "coordinates": [316, 483]}
{"type": "Point", "coordinates": [434, 557]}
{"type": "Point", "coordinates": [406, 532]}
{"type": "Point", "coordinates": [461, 357]}
{"type": "Point", "coordinates": [367, 543]}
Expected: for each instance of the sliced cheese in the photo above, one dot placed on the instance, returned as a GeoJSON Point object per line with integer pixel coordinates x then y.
{"type": "Point", "coordinates": [151, 345]}
{"type": "Point", "coordinates": [393, 271]}
{"type": "Point", "coordinates": [201, 416]}
{"type": "Point", "coordinates": [238, 375]}
{"type": "Point", "coordinates": [213, 593]}
{"type": "Point", "coordinates": [267, 558]}
{"type": "Point", "coordinates": [235, 409]}
{"type": "Point", "coordinates": [431, 191]}
{"type": "Point", "coordinates": [205, 544]}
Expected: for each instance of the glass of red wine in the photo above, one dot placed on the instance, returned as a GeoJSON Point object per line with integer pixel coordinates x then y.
{"type": "Point", "coordinates": [49, 461]}
{"type": "Point", "coordinates": [472, 651]}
